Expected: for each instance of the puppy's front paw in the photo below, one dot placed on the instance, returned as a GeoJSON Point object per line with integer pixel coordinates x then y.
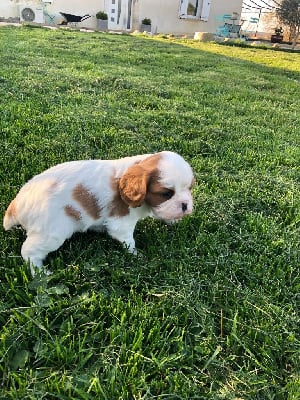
{"type": "Point", "coordinates": [130, 246]}
{"type": "Point", "coordinates": [171, 221]}
{"type": "Point", "coordinates": [134, 252]}
{"type": "Point", "coordinates": [35, 270]}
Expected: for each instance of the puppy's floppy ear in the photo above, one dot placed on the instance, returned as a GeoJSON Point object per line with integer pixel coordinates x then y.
{"type": "Point", "coordinates": [133, 185]}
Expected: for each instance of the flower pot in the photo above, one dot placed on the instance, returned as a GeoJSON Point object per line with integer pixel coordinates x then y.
{"type": "Point", "coordinates": [102, 24]}
{"type": "Point", "coordinates": [276, 38]}
{"type": "Point", "coordinates": [145, 28]}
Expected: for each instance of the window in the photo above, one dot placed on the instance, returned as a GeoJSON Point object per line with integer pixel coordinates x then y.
{"type": "Point", "coordinates": [194, 9]}
{"type": "Point", "coordinates": [189, 9]}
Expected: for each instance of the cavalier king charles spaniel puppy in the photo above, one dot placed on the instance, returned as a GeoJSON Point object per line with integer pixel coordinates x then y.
{"type": "Point", "coordinates": [100, 195]}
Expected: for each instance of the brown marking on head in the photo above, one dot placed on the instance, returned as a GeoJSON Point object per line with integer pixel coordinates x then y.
{"type": "Point", "coordinates": [117, 207]}
{"type": "Point", "coordinates": [87, 200]}
{"type": "Point", "coordinates": [71, 211]}
{"type": "Point", "coordinates": [156, 193]}
{"type": "Point", "coordinates": [133, 184]}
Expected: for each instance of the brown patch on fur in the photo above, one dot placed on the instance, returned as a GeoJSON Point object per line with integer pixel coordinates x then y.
{"type": "Point", "coordinates": [11, 210]}
{"type": "Point", "coordinates": [10, 217]}
{"type": "Point", "coordinates": [157, 194]}
{"type": "Point", "coordinates": [70, 211]}
{"type": "Point", "coordinates": [118, 207]}
{"type": "Point", "coordinates": [133, 184]}
{"type": "Point", "coordinates": [87, 200]}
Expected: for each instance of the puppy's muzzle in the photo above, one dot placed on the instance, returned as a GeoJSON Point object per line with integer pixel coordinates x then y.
{"type": "Point", "coordinates": [184, 207]}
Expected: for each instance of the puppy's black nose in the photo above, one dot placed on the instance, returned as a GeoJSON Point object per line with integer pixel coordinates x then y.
{"type": "Point", "coordinates": [183, 207]}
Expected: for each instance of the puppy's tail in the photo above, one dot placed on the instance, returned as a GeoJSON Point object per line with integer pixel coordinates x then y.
{"type": "Point", "coordinates": [10, 218]}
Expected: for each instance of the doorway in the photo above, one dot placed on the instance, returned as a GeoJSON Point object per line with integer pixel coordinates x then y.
{"type": "Point", "coordinates": [120, 15]}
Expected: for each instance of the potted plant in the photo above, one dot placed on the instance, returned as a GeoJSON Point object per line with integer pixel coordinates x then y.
{"type": "Point", "coordinates": [146, 25]}
{"type": "Point", "coordinates": [102, 20]}
{"type": "Point", "coordinates": [278, 36]}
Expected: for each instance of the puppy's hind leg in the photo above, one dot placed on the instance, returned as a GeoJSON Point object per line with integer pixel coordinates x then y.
{"type": "Point", "coordinates": [36, 247]}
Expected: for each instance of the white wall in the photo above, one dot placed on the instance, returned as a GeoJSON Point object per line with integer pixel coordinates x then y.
{"type": "Point", "coordinates": [10, 8]}
{"type": "Point", "coordinates": [164, 14]}
{"type": "Point", "coordinates": [78, 7]}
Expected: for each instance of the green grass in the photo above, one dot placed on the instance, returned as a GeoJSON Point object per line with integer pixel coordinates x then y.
{"type": "Point", "coordinates": [210, 309]}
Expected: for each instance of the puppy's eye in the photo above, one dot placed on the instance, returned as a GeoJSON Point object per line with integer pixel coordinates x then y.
{"type": "Point", "coordinates": [167, 194]}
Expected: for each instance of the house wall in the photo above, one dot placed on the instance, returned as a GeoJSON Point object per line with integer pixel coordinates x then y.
{"type": "Point", "coordinates": [79, 7]}
{"type": "Point", "coordinates": [165, 17]}
{"type": "Point", "coordinates": [10, 9]}
{"type": "Point", "coordinates": [163, 14]}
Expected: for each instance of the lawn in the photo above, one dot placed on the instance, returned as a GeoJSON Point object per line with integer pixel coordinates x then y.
{"type": "Point", "coordinates": [210, 307]}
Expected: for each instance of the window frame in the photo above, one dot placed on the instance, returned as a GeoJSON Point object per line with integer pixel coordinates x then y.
{"type": "Point", "coordinates": [202, 13]}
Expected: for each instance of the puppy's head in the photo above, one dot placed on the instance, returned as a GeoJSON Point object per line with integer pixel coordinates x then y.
{"type": "Point", "coordinates": [163, 181]}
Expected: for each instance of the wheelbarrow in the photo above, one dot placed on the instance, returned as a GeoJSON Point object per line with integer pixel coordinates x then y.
{"type": "Point", "coordinates": [73, 18]}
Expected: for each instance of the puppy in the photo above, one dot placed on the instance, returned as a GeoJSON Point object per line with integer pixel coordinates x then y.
{"type": "Point", "coordinates": [101, 195]}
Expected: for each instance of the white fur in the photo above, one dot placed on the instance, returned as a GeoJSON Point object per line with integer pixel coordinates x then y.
{"type": "Point", "coordinates": [39, 207]}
